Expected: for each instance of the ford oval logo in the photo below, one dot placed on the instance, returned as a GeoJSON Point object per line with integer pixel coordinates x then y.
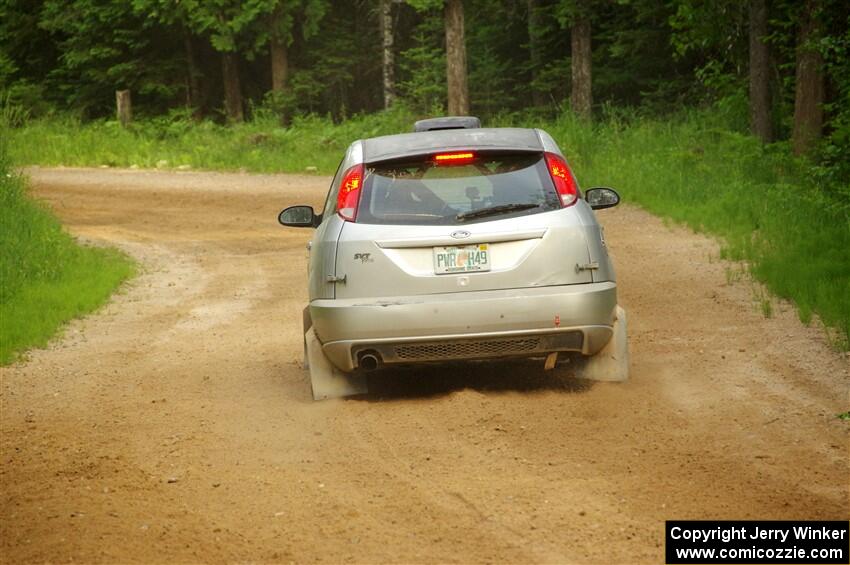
{"type": "Point", "coordinates": [460, 234]}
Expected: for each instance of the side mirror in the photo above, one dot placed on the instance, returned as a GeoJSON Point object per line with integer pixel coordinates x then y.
{"type": "Point", "coordinates": [601, 197]}
{"type": "Point", "coordinates": [299, 217]}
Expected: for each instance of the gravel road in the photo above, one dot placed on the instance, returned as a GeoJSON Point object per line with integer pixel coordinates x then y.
{"type": "Point", "coordinates": [176, 424]}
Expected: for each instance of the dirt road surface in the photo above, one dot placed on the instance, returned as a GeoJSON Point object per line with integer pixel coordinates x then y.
{"type": "Point", "coordinates": [176, 423]}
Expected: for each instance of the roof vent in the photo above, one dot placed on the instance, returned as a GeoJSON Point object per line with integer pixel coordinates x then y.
{"type": "Point", "coordinates": [448, 122]}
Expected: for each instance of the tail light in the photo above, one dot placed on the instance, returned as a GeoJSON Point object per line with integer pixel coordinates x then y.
{"type": "Point", "coordinates": [349, 193]}
{"type": "Point", "coordinates": [460, 158]}
{"type": "Point", "coordinates": [562, 176]}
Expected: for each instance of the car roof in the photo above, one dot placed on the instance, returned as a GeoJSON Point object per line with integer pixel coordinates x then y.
{"type": "Point", "coordinates": [409, 144]}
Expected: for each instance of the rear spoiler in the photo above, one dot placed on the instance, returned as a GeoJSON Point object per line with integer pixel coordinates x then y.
{"type": "Point", "coordinates": [404, 156]}
{"type": "Point", "coordinates": [448, 122]}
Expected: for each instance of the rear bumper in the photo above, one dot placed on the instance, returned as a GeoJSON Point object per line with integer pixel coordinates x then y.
{"type": "Point", "coordinates": [467, 325]}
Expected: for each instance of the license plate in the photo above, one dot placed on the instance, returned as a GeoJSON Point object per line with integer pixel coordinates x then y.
{"type": "Point", "coordinates": [462, 259]}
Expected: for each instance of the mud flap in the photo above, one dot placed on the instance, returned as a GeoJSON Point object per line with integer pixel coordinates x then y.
{"type": "Point", "coordinates": [612, 361]}
{"type": "Point", "coordinates": [326, 380]}
{"type": "Point", "coordinates": [306, 325]}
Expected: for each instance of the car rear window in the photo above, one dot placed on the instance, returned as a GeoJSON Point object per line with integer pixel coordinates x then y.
{"type": "Point", "coordinates": [420, 191]}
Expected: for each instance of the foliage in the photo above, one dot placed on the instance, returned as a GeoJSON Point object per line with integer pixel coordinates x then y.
{"type": "Point", "coordinates": [13, 114]}
{"type": "Point", "coordinates": [329, 79]}
{"type": "Point", "coordinates": [46, 277]}
{"type": "Point", "coordinates": [657, 55]}
{"type": "Point", "coordinates": [422, 81]}
{"type": "Point", "coordinates": [634, 59]}
{"type": "Point", "coordinates": [497, 61]}
{"type": "Point", "coordinates": [103, 47]}
{"type": "Point", "coordinates": [834, 158]}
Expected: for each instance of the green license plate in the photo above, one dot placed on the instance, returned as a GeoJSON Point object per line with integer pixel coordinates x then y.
{"type": "Point", "coordinates": [462, 259]}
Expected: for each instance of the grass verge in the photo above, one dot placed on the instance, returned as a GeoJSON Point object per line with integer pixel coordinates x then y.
{"type": "Point", "coordinates": [792, 232]}
{"type": "Point", "coordinates": [261, 146]}
{"type": "Point", "coordinates": [46, 278]}
{"type": "Point", "coordinates": [698, 168]}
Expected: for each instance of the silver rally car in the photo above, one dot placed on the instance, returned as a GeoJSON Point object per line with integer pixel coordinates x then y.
{"type": "Point", "coordinates": [453, 243]}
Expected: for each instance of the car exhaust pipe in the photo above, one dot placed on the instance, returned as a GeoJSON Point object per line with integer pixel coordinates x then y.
{"type": "Point", "coordinates": [369, 362]}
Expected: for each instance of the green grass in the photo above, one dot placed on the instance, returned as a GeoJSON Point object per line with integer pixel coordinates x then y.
{"type": "Point", "coordinates": [258, 146]}
{"type": "Point", "coordinates": [696, 168]}
{"type": "Point", "coordinates": [46, 278]}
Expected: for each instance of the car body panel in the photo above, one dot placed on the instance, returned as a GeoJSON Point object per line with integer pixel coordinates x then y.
{"type": "Point", "coordinates": [595, 239]}
{"type": "Point", "coordinates": [408, 144]}
{"type": "Point", "coordinates": [548, 143]}
{"type": "Point", "coordinates": [321, 268]}
{"type": "Point", "coordinates": [524, 259]}
{"type": "Point", "coordinates": [346, 325]}
{"type": "Point", "coordinates": [322, 248]}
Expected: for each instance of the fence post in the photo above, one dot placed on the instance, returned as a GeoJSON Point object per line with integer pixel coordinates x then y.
{"type": "Point", "coordinates": [124, 107]}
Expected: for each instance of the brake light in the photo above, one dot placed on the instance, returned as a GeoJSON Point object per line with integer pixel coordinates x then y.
{"type": "Point", "coordinates": [562, 176]}
{"type": "Point", "coordinates": [454, 158]}
{"type": "Point", "coordinates": [349, 193]}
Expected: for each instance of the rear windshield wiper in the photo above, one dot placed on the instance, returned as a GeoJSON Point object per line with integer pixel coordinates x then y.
{"type": "Point", "coordinates": [494, 210]}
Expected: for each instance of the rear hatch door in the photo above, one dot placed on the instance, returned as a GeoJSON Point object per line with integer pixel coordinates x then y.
{"type": "Point", "coordinates": [491, 222]}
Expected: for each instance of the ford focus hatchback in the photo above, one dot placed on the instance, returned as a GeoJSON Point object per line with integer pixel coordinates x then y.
{"type": "Point", "coordinates": [457, 243]}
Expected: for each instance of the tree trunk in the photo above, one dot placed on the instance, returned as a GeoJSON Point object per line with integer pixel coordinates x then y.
{"type": "Point", "coordinates": [759, 73]}
{"type": "Point", "coordinates": [232, 86]}
{"type": "Point", "coordinates": [456, 59]}
{"type": "Point", "coordinates": [534, 51]}
{"type": "Point", "coordinates": [279, 54]}
{"type": "Point", "coordinates": [581, 97]}
{"type": "Point", "coordinates": [386, 16]}
{"type": "Point", "coordinates": [124, 108]}
{"type": "Point", "coordinates": [280, 64]}
{"type": "Point", "coordinates": [808, 97]}
{"type": "Point", "coordinates": [193, 88]}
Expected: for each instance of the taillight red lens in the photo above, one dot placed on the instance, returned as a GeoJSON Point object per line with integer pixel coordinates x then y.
{"type": "Point", "coordinates": [349, 193]}
{"type": "Point", "coordinates": [562, 176]}
{"type": "Point", "coordinates": [459, 158]}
